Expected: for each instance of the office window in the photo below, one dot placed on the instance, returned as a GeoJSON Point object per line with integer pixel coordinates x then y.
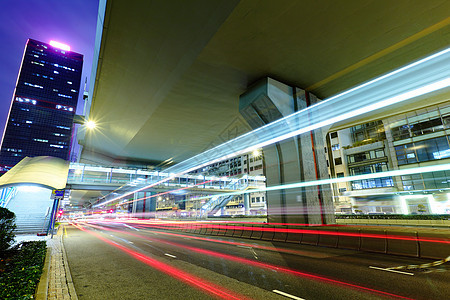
{"type": "Point", "coordinates": [335, 147]}
{"type": "Point", "coordinates": [432, 149]}
{"type": "Point", "coordinates": [425, 127]}
{"type": "Point", "coordinates": [338, 161]}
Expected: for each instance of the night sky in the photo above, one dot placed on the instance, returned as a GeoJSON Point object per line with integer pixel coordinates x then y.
{"type": "Point", "coordinates": [71, 22]}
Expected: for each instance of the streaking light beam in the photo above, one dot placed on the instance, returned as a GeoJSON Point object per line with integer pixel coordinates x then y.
{"type": "Point", "coordinates": [416, 79]}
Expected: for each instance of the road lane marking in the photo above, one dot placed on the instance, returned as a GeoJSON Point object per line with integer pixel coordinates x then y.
{"type": "Point", "coordinates": [246, 247]}
{"type": "Point", "coordinates": [254, 254]}
{"type": "Point", "coordinates": [389, 270]}
{"type": "Point", "coordinates": [170, 255]}
{"type": "Point", "coordinates": [130, 227]}
{"type": "Point", "coordinates": [287, 295]}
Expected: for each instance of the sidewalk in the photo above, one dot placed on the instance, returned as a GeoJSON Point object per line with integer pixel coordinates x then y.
{"type": "Point", "coordinates": [56, 282]}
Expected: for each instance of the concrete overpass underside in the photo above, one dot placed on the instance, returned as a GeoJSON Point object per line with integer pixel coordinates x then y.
{"type": "Point", "coordinates": [170, 74]}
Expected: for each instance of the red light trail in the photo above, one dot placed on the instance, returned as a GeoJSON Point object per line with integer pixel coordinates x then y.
{"type": "Point", "coordinates": [259, 264]}
{"type": "Point", "coordinates": [221, 228]}
{"type": "Point", "coordinates": [215, 290]}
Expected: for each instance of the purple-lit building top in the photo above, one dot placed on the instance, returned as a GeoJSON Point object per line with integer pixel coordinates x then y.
{"type": "Point", "coordinates": [43, 106]}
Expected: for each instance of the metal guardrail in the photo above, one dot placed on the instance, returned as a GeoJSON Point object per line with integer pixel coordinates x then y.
{"type": "Point", "coordinates": [6, 194]}
{"type": "Point", "coordinates": [395, 222]}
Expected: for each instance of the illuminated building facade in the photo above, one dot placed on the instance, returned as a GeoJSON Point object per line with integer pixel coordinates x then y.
{"type": "Point", "coordinates": [419, 138]}
{"type": "Point", "coordinates": [41, 115]}
{"type": "Point", "coordinates": [251, 164]}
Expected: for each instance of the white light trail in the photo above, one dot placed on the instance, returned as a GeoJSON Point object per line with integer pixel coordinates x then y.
{"type": "Point", "coordinates": [416, 79]}
{"type": "Point", "coordinates": [428, 169]}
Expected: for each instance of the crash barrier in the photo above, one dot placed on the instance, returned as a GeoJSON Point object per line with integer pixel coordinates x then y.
{"type": "Point", "coordinates": [429, 243]}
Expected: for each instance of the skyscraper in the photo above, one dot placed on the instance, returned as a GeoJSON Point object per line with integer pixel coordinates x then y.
{"type": "Point", "coordinates": [41, 115]}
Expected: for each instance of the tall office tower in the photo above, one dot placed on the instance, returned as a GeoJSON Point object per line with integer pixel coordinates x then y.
{"type": "Point", "coordinates": [44, 103]}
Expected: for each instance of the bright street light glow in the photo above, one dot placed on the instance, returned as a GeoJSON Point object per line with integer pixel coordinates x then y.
{"type": "Point", "coordinates": [91, 124]}
{"type": "Point", "coordinates": [256, 153]}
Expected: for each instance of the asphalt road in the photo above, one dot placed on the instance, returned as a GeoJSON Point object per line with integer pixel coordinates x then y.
{"type": "Point", "coordinates": [111, 260]}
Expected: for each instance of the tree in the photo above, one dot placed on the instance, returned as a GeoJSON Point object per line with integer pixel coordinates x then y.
{"type": "Point", "coordinates": [7, 226]}
{"type": "Point", "coordinates": [421, 208]}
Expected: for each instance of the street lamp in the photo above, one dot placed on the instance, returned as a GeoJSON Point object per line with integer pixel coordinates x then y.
{"type": "Point", "coordinates": [256, 153]}
{"type": "Point", "coordinates": [90, 124]}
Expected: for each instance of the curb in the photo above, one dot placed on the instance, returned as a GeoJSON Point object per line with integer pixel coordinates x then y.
{"type": "Point", "coordinates": [42, 288]}
{"type": "Point", "coordinates": [73, 294]}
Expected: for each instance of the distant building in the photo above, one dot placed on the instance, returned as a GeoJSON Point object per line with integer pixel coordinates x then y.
{"type": "Point", "coordinates": [251, 164]}
{"type": "Point", "coordinates": [44, 103]}
{"type": "Point", "coordinates": [415, 139]}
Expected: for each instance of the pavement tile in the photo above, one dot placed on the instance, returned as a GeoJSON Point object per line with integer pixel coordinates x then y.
{"type": "Point", "coordinates": [58, 287]}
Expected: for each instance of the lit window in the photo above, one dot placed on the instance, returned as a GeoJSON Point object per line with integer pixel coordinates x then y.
{"type": "Point", "coordinates": [56, 72]}
{"type": "Point", "coordinates": [40, 140]}
{"type": "Point", "coordinates": [69, 82]}
{"type": "Point", "coordinates": [29, 122]}
{"type": "Point", "coordinates": [56, 146]}
{"type": "Point", "coordinates": [63, 107]}
{"type": "Point", "coordinates": [441, 154]}
{"type": "Point", "coordinates": [26, 100]}
{"type": "Point", "coordinates": [33, 85]}
{"type": "Point", "coordinates": [410, 155]}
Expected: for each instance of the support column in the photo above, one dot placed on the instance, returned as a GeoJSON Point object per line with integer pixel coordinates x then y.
{"type": "Point", "coordinates": [297, 159]}
{"type": "Point", "coordinates": [247, 204]}
{"type": "Point", "coordinates": [135, 196]}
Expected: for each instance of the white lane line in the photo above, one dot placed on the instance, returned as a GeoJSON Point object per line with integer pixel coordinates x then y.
{"type": "Point", "coordinates": [170, 255]}
{"type": "Point", "coordinates": [254, 254]}
{"type": "Point", "coordinates": [393, 271]}
{"type": "Point", "coordinates": [246, 247]}
{"type": "Point", "coordinates": [131, 227]}
{"type": "Point", "coordinates": [287, 295]}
